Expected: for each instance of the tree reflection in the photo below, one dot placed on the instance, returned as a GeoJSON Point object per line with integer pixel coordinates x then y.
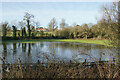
{"type": "Point", "coordinates": [33, 44]}
{"type": "Point", "coordinates": [29, 49]}
{"type": "Point", "coordinates": [24, 47]}
{"type": "Point", "coordinates": [14, 48]}
{"type": "Point", "coordinates": [19, 45]}
{"type": "Point", "coordinates": [4, 49]}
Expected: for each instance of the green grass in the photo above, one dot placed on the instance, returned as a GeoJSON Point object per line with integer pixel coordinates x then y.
{"type": "Point", "coordinates": [102, 42]}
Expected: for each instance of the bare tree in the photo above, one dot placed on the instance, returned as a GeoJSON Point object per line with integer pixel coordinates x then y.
{"type": "Point", "coordinates": [28, 18]}
{"type": "Point", "coordinates": [14, 31]}
{"type": "Point", "coordinates": [110, 13]}
{"type": "Point", "coordinates": [111, 16]}
{"type": "Point", "coordinates": [53, 25]}
{"type": "Point", "coordinates": [37, 24]}
{"type": "Point", "coordinates": [62, 24]}
{"type": "Point", "coordinates": [22, 24]}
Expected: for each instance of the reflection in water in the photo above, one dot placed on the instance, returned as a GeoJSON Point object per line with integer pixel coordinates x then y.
{"type": "Point", "coordinates": [29, 49]}
{"type": "Point", "coordinates": [14, 48]}
{"type": "Point", "coordinates": [44, 51]}
{"type": "Point", "coordinates": [4, 49]}
{"type": "Point", "coordinates": [19, 45]}
{"type": "Point", "coordinates": [32, 44]}
{"type": "Point", "coordinates": [24, 47]}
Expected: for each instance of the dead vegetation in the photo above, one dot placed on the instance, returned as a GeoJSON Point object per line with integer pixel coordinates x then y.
{"type": "Point", "coordinates": [62, 70]}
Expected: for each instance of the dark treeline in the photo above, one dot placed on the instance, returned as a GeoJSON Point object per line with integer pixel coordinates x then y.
{"type": "Point", "coordinates": [106, 28]}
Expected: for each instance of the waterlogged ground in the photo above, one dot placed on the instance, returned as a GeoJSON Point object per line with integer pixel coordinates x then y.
{"type": "Point", "coordinates": [58, 51]}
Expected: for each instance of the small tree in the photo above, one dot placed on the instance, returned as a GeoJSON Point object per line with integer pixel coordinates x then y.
{"type": "Point", "coordinates": [62, 24]}
{"type": "Point", "coordinates": [41, 33]}
{"type": "Point", "coordinates": [53, 25]}
{"type": "Point", "coordinates": [33, 35]}
{"type": "Point", "coordinates": [4, 29]}
{"type": "Point", "coordinates": [85, 31]}
{"type": "Point", "coordinates": [24, 32]}
{"type": "Point", "coordinates": [19, 34]}
{"type": "Point", "coordinates": [14, 31]}
{"type": "Point", "coordinates": [65, 33]}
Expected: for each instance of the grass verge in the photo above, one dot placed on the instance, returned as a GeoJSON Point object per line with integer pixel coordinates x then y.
{"type": "Point", "coordinates": [102, 42]}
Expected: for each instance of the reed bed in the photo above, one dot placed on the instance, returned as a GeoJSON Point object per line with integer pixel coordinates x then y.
{"type": "Point", "coordinates": [97, 69]}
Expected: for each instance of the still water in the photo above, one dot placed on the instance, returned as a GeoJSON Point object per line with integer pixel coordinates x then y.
{"type": "Point", "coordinates": [57, 51]}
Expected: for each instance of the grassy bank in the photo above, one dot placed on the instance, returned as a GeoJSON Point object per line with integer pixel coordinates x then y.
{"type": "Point", "coordinates": [102, 42]}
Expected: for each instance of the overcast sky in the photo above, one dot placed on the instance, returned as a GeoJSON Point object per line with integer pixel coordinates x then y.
{"type": "Point", "coordinates": [72, 12]}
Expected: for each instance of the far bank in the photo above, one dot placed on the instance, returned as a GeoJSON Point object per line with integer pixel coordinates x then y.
{"type": "Point", "coordinates": [91, 41]}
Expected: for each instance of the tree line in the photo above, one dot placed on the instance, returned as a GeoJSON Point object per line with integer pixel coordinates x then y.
{"type": "Point", "coordinates": [106, 28]}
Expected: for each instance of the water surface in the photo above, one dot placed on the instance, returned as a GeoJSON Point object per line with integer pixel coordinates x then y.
{"type": "Point", "coordinates": [58, 51]}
